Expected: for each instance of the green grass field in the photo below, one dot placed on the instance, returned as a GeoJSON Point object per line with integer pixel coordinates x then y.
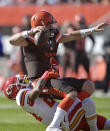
{"type": "Point", "coordinates": [12, 118]}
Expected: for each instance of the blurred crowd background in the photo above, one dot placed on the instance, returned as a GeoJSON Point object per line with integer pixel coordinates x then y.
{"type": "Point", "coordinates": [85, 58]}
{"type": "Point", "coordinates": [49, 2]}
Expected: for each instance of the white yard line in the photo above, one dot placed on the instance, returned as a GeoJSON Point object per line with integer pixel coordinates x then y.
{"type": "Point", "coordinates": [100, 94]}
{"type": "Point", "coordinates": [7, 106]}
{"type": "Point", "coordinates": [13, 121]}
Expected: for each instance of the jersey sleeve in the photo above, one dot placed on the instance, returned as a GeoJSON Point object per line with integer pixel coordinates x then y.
{"type": "Point", "coordinates": [58, 36]}
{"type": "Point", "coordinates": [22, 97]}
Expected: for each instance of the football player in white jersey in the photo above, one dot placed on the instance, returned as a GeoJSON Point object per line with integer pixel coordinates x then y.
{"type": "Point", "coordinates": [43, 109]}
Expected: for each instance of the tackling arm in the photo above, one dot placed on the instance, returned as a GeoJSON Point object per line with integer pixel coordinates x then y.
{"type": "Point", "coordinates": [38, 85]}
{"type": "Point", "coordinates": [37, 88]}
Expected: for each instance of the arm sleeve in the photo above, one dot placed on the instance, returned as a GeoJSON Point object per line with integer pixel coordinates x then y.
{"type": "Point", "coordinates": [22, 97]}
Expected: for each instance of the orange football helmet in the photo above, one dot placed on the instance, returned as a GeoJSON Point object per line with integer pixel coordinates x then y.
{"type": "Point", "coordinates": [42, 18]}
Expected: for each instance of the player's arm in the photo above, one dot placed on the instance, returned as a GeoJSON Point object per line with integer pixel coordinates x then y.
{"type": "Point", "coordinates": [74, 35]}
{"type": "Point", "coordinates": [19, 39]}
{"type": "Point", "coordinates": [38, 85]}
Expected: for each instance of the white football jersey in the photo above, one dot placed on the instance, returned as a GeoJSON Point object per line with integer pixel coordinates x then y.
{"type": "Point", "coordinates": [42, 109]}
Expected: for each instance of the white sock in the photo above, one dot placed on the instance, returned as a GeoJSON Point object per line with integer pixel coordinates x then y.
{"type": "Point", "coordinates": [58, 117]}
{"type": "Point", "coordinates": [92, 124]}
{"type": "Point", "coordinates": [90, 113]}
{"type": "Point", "coordinates": [107, 125]}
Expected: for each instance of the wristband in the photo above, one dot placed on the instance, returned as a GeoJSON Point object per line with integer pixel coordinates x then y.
{"type": "Point", "coordinates": [25, 34]}
{"type": "Point", "coordinates": [86, 32]}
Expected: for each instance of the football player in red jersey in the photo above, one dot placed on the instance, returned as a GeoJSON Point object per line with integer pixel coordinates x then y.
{"type": "Point", "coordinates": [37, 56]}
{"type": "Point", "coordinates": [43, 109]}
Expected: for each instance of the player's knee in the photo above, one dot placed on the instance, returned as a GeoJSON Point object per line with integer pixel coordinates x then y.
{"type": "Point", "coordinates": [72, 95]}
{"type": "Point", "coordinates": [89, 87]}
{"type": "Point", "coordinates": [89, 107]}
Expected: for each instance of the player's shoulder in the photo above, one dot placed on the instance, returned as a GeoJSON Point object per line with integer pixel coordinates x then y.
{"type": "Point", "coordinates": [22, 96]}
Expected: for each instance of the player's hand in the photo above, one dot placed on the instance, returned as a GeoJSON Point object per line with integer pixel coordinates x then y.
{"type": "Point", "coordinates": [37, 29]}
{"type": "Point", "coordinates": [39, 84]}
{"type": "Point", "coordinates": [100, 27]}
{"type": "Point", "coordinates": [49, 75]}
{"type": "Point", "coordinates": [53, 74]}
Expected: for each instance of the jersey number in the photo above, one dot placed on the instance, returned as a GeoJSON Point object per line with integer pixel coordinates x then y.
{"type": "Point", "coordinates": [49, 102]}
